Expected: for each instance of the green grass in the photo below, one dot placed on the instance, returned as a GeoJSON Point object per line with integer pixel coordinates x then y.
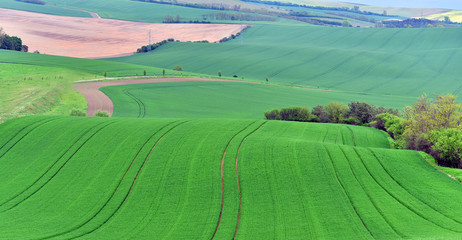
{"type": "Point", "coordinates": [404, 62]}
{"type": "Point", "coordinates": [95, 178]}
{"type": "Point", "coordinates": [46, 9]}
{"type": "Point", "coordinates": [225, 99]}
{"type": "Point", "coordinates": [42, 84]}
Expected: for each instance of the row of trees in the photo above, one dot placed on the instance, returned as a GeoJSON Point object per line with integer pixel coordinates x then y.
{"type": "Point", "coordinates": [355, 113]}
{"type": "Point", "coordinates": [11, 43]}
{"type": "Point", "coordinates": [152, 47]}
{"type": "Point", "coordinates": [40, 2]}
{"type": "Point", "coordinates": [433, 126]}
{"type": "Point", "coordinates": [233, 36]}
{"type": "Point", "coordinates": [237, 17]}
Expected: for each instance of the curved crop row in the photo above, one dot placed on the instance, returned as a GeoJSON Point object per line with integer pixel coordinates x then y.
{"type": "Point", "coordinates": [93, 178]}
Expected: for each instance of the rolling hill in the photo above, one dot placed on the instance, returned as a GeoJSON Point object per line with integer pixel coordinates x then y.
{"type": "Point", "coordinates": [405, 62]}
{"type": "Point", "coordinates": [96, 178]}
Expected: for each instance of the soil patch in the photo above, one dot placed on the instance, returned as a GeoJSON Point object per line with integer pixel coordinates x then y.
{"type": "Point", "coordinates": [100, 38]}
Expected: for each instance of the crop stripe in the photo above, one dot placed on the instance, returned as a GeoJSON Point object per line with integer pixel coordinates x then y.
{"type": "Point", "coordinates": [237, 177]}
{"type": "Point", "coordinates": [56, 173]}
{"type": "Point", "coordinates": [345, 192]}
{"type": "Point", "coordinates": [67, 151]}
{"type": "Point", "coordinates": [141, 106]}
{"type": "Point", "coordinates": [129, 190]}
{"type": "Point", "coordinates": [407, 206]}
{"type": "Point", "coordinates": [222, 182]}
{"type": "Point", "coordinates": [405, 189]}
{"type": "Point", "coordinates": [25, 135]}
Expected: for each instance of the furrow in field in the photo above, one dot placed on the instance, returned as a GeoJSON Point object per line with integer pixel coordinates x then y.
{"type": "Point", "coordinates": [51, 178]}
{"type": "Point", "coordinates": [17, 133]}
{"type": "Point", "coordinates": [222, 180]}
{"type": "Point", "coordinates": [346, 193]}
{"type": "Point", "coordinates": [141, 106]}
{"type": "Point", "coordinates": [117, 187]}
{"type": "Point", "coordinates": [401, 202]}
{"type": "Point", "coordinates": [419, 200]}
{"type": "Point", "coordinates": [237, 177]}
{"type": "Point", "coordinates": [52, 165]}
{"type": "Point", "coordinates": [41, 123]}
{"type": "Point", "coordinates": [370, 199]}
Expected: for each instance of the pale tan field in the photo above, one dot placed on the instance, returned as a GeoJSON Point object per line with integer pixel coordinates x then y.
{"type": "Point", "coordinates": [99, 38]}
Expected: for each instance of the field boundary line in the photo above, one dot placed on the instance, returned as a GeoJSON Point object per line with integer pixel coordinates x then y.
{"type": "Point", "coordinates": [237, 176]}
{"type": "Point", "coordinates": [129, 190]}
{"type": "Point", "coordinates": [18, 132]}
{"type": "Point", "coordinates": [222, 180]}
{"type": "Point", "coordinates": [345, 192]}
{"type": "Point", "coordinates": [405, 189]}
{"type": "Point", "coordinates": [407, 206]}
{"type": "Point", "coordinates": [62, 155]}
{"type": "Point", "coordinates": [56, 173]}
{"type": "Point", "coordinates": [437, 168]}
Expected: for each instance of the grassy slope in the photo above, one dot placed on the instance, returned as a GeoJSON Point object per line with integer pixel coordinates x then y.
{"type": "Point", "coordinates": [126, 178]}
{"type": "Point", "coordinates": [404, 62]}
{"type": "Point", "coordinates": [224, 99]}
{"type": "Point", "coordinates": [37, 83]}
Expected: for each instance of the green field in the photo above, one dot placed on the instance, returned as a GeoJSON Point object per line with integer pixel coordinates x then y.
{"type": "Point", "coordinates": [38, 83]}
{"type": "Point", "coordinates": [225, 99]}
{"type": "Point", "coordinates": [405, 62]}
{"type": "Point", "coordinates": [96, 178]}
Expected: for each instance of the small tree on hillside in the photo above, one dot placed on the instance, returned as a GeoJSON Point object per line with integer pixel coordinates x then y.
{"type": "Point", "coordinates": [163, 72]}
{"type": "Point", "coordinates": [178, 68]}
{"type": "Point", "coordinates": [105, 75]}
{"type": "Point", "coordinates": [219, 74]}
{"type": "Point", "coordinates": [144, 72]}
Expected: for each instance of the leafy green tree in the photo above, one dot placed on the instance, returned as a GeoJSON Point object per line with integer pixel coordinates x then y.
{"type": "Point", "coordinates": [144, 73]}
{"type": "Point", "coordinates": [178, 68]}
{"type": "Point", "coordinates": [336, 111]}
{"type": "Point", "coordinates": [447, 144]}
{"type": "Point", "coordinates": [346, 23]}
{"type": "Point", "coordinates": [163, 72]}
{"type": "Point", "coordinates": [320, 113]}
{"type": "Point", "coordinates": [219, 74]}
{"type": "Point", "coordinates": [78, 113]}
{"type": "Point", "coordinates": [105, 74]}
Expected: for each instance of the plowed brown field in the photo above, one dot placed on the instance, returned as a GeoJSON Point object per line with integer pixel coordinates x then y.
{"type": "Point", "coordinates": [99, 38]}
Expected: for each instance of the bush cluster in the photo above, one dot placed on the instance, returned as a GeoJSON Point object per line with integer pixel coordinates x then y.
{"type": "Point", "coordinates": [355, 113]}
{"type": "Point", "coordinates": [434, 127]}
{"type": "Point", "coordinates": [11, 43]}
{"type": "Point", "coordinates": [152, 47]}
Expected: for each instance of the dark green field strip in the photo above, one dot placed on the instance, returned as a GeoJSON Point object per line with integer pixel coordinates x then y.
{"type": "Point", "coordinates": [49, 172]}
{"type": "Point", "coordinates": [88, 173]}
{"type": "Point", "coordinates": [146, 148]}
{"type": "Point", "coordinates": [190, 206]}
{"type": "Point", "coordinates": [423, 179]}
{"type": "Point", "coordinates": [7, 146]}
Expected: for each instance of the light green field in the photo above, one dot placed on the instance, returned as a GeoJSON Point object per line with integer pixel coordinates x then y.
{"type": "Point", "coordinates": [405, 62]}
{"type": "Point", "coordinates": [96, 178]}
{"type": "Point", "coordinates": [225, 99]}
{"type": "Point", "coordinates": [38, 84]}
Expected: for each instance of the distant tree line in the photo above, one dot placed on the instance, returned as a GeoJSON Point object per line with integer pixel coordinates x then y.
{"type": "Point", "coordinates": [11, 42]}
{"type": "Point", "coordinates": [40, 2]}
{"type": "Point", "coordinates": [414, 23]}
{"type": "Point", "coordinates": [355, 16]}
{"type": "Point", "coordinates": [233, 36]}
{"type": "Point", "coordinates": [177, 19]}
{"type": "Point", "coordinates": [154, 46]}
{"type": "Point", "coordinates": [355, 113]}
{"type": "Point", "coordinates": [237, 17]}
{"type": "Point", "coordinates": [213, 6]}
{"type": "Point", "coordinates": [311, 15]}
{"type": "Point", "coordinates": [354, 9]}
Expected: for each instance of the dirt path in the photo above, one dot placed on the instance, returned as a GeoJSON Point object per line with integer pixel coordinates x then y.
{"type": "Point", "coordinates": [98, 37]}
{"type": "Point", "coordinates": [97, 100]}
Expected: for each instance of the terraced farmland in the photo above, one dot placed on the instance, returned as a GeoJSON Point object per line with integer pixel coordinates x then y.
{"type": "Point", "coordinates": [92, 178]}
{"type": "Point", "coordinates": [225, 99]}
{"type": "Point", "coordinates": [405, 62]}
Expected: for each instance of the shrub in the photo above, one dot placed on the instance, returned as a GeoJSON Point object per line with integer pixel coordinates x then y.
{"type": "Point", "coordinates": [100, 113]}
{"type": "Point", "coordinates": [272, 115]}
{"type": "Point", "coordinates": [178, 68]}
{"type": "Point", "coordinates": [336, 112]}
{"type": "Point", "coordinates": [78, 113]}
{"type": "Point", "coordinates": [320, 113]}
{"type": "Point", "coordinates": [447, 147]}
{"type": "Point", "coordinates": [351, 121]}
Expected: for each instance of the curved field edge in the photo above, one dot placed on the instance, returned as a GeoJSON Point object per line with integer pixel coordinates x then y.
{"type": "Point", "coordinates": [99, 178]}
